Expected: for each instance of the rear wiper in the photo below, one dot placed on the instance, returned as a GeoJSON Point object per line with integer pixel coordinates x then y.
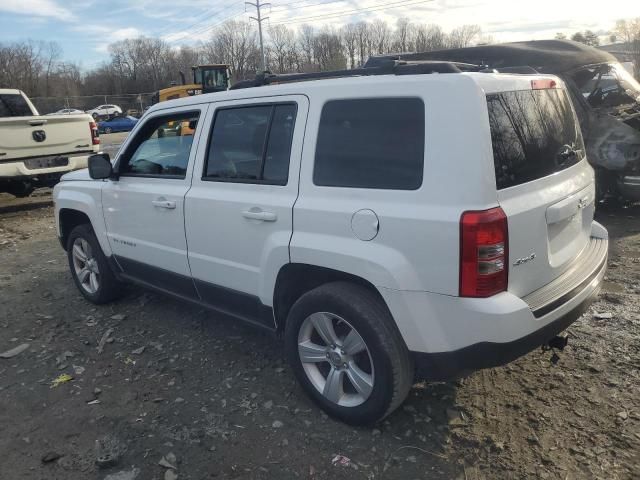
{"type": "Point", "coordinates": [567, 152]}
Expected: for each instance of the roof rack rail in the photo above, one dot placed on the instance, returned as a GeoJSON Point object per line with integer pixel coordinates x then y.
{"type": "Point", "coordinates": [388, 67]}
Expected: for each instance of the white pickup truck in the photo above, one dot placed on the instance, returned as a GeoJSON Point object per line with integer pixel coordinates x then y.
{"type": "Point", "coordinates": [36, 150]}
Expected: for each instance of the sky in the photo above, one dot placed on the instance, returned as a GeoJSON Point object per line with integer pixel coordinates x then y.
{"type": "Point", "coordinates": [84, 28]}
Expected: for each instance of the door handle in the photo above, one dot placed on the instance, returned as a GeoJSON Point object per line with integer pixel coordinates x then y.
{"type": "Point", "coordinates": [260, 215]}
{"type": "Point", "coordinates": [164, 204]}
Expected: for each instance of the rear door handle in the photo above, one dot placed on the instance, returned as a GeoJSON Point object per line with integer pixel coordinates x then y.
{"type": "Point", "coordinates": [255, 214]}
{"type": "Point", "coordinates": [164, 204]}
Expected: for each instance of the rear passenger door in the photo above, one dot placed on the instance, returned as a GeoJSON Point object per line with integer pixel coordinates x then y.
{"type": "Point", "coordinates": [238, 213]}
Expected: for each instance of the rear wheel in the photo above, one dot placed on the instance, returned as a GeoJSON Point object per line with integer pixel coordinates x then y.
{"type": "Point", "coordinates": [89, 268]}
{"type": "Point", "coordinates": [20, 189]}
{"type": "Point", "coordinates": [347, 354]}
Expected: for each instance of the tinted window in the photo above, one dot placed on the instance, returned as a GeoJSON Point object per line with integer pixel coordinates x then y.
{"type": "Point", "coordinates": [161, 147]}
{"type": "Point", "coordinates": [14, 105]}
{"type": "Point", "coordinates": [534, 134]}
{"type": "Point", "coordinates": [251, 144]}
{"type": "Point", "coordinates": [371, 143]}
{"type": "Point", "coordinates": [276, 164]}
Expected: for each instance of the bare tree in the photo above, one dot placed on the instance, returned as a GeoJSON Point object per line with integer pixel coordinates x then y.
{"type": "Point", "coordinates": [403, 35]}
{"type": "Point", "coordinates": [380, 36]}
{"type": "Point", "coordinates": [464, 36]}
{"type": "Point", "coordinates": [282, 48]}
{"type": "Point", "coordinates": [364, 40]}
{"type": "Point", "coordinates": [235, 43]}
{"type": "Point", "coordinates": [430, 37]}
{"type": "Point", "coordinates": [327, 49]}
{"type": "Point", "coordinates": [628, 31]}
{"type": "Point", "coordinates": [349, 34]}
{"type": "Point", "coordinates": [306, 41]}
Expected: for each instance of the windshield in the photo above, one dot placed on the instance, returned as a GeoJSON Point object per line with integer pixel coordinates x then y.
{"type": "Point", "coordinates": [607, 85]}
{"type": "Point", "coordinates": [212, 79]}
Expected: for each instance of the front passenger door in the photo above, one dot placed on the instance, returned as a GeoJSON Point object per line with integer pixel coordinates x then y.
{"type": "Point", "coordinates": [144, 208]}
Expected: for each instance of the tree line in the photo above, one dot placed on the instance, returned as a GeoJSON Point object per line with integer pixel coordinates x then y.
{"type": "Point", "coordinates": [146, 64]}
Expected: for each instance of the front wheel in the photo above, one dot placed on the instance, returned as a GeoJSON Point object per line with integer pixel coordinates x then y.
{"type": "Point", "coordinates": [107, 130]}
{"type": "Point", "coordinates": [347, 354]}
{"type": "Point", "coordinates": [89, 268]}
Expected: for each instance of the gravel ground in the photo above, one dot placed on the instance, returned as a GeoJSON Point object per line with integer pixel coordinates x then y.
{"type": "Point", "coordinates": [152, 380]}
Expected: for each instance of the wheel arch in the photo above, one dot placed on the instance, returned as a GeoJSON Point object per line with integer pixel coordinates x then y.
{"type": "Point", "coordinates": [73, 205]}
{"type": "Point", "coordinates": [296, 279]}
{"type": "Point", "coordinates": [70, 219]}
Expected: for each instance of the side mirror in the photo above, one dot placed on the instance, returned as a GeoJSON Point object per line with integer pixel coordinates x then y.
{"type": "Point", "coordinates": [100, 166]}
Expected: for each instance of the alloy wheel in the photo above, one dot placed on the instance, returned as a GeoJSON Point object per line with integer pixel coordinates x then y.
{"type": "Point", "coordinates": [85, 265]}
{"type": "Point", "coordinates": [336, 359]}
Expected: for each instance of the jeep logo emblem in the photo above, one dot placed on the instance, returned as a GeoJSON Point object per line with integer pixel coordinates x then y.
{"type": "Point", "coordinates": [39, 135]}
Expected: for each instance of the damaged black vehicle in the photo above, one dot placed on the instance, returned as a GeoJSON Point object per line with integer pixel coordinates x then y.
{"type": "Point", "coordinates": [605, 95]}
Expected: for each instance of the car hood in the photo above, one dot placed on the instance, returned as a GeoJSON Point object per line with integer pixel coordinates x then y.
{"type": "Point", "coordinates": [77, 175]}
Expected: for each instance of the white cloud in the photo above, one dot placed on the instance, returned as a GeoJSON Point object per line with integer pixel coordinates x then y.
{"type": "Point", "coordinates": [38, 8]}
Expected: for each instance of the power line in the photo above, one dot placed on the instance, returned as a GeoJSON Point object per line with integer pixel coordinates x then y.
{"type": "Point", "coordinates": [284, 5]}
{"type": "Point", "coordinates": [220, 22]}
{"type": "Point", "coordinates": [402, 3]}
{"type": "Point", "coordinates": [202, 21]}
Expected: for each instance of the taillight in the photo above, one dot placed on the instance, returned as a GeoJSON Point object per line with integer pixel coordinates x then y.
{"type": "Point", "coordinates": [95, 135]}
{"type": "Point", "coordinates": [484, 253]}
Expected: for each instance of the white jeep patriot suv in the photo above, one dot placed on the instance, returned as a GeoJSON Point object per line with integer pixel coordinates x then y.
{"type": "Point", "coordinates": [392, 227]}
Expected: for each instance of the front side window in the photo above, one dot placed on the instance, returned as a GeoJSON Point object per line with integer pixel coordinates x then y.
{"type": "Point", "coordinates": [251, 144]}
{"type": "Point", "coordinates": [371, 143]}
{"type": "Point", "coordinates": [162, 147]}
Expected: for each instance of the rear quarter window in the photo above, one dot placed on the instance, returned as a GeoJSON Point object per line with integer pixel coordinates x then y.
{"type": "Point", "coordinates": [14, 105]}
{"type": "Point", "coordinates": [371, 143]}
{"type": "Point", "coordinates": [534, 133]}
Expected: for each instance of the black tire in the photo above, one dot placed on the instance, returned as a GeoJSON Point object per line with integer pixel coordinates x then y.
{"type": "Point", "coordinates": [109, 287]}
{"type": "Point", "coordinates": [107, 130]}
{"type": "Point", "coordinates": [367, 314]}
{"type": "Point", "coordinates": [94, 115]}
{"type": "Point", "coordinates": [20, 189]}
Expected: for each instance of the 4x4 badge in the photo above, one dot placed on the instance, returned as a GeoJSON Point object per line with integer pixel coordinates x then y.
{"type": "Point", "coordinates": [522, 260]}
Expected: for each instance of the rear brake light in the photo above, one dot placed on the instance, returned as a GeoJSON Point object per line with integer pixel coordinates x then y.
{"type": "Point", "coordinates": [484, 253]}
{"type": "Point", "coordinates": [95, 135]}
{"type": "Point", "coordinates": [543, 84]}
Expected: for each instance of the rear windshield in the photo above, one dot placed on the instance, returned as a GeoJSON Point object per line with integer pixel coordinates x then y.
{"type": "Point", "coordinates": [534, 134]}
{"type": "Point", "coordinates": [14, 105]}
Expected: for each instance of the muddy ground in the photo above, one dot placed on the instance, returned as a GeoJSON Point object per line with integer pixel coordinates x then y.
{"type": "Point", "coordinates": [171, 380]}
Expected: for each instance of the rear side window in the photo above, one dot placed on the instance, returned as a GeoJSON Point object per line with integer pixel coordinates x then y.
{"type": "Point", "coordinates": [534, 134]}
{"type": "Point", "coordinates": [371, 143]}
{"type": "Point", "coordinates": [251, 144]}
{"type": "Point", "coordinates": [14, 105]}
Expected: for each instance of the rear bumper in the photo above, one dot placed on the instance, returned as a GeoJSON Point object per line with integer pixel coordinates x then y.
{"type": "Point", "coordinates": [449, 336]}
{"type": "Point", "coordinates": [447, 365]}
{"type": "Point", "coordinates": [17, 170]}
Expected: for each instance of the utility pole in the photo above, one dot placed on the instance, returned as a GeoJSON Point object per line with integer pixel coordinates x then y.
{"type": "Point", "coordinates": [260, 19]}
